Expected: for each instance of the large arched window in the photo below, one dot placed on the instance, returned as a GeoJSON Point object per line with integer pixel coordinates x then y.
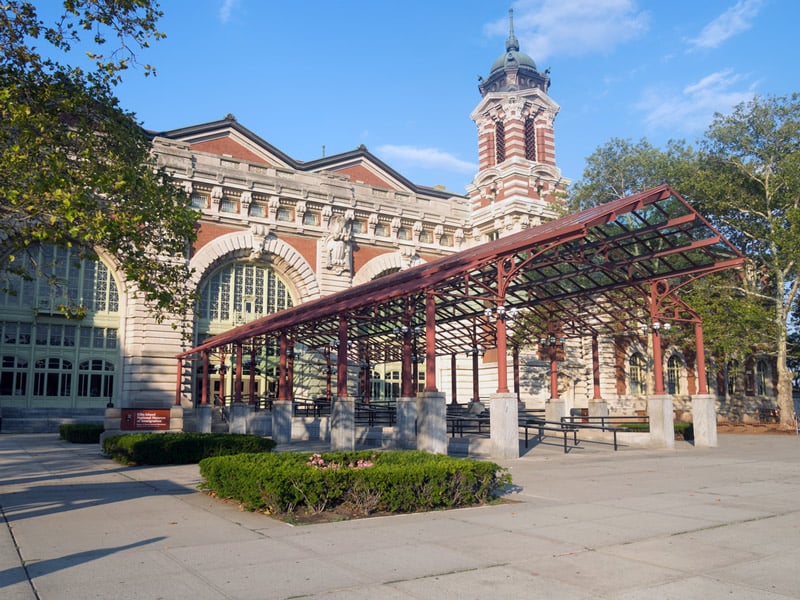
{"type": "Point", "coordinates": [59, 281]}
{"type": "Point", "coordinates": [237, 293]}
{"type": "Point", "coordinates": [674, 370]}
{"type": "Point", "coordinates": [240, 292]}
{"type": "Point", "coordinates": [64, 312]}
{"type": "Point", "coordinates": [637, 374]}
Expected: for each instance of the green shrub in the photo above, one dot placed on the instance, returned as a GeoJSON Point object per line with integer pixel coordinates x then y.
{"type": "Point", "coordinates": [81, 433]}
{"type": "Point", "coordinates": [180, 448]}
{"type": "Point", "coordinates": [400, 481]}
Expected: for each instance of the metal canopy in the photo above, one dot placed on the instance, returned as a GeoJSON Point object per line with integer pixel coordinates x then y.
{"type": "Point", "coordinates": [587, 273]}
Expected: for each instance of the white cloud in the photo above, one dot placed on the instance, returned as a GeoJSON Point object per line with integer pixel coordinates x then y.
{"type": "Point", "coordinates": [226, 10]}
{"type": "Point", "coordinates": [736, 19]}
{"type": "Point", "coordinates": [692, 109]}
{"type": "Point", "coordinates": [572, 27]}
{"type": "Point", "coordinates": [427, 158]}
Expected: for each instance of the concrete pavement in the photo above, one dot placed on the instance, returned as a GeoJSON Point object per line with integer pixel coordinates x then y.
{"type": "Point", "coordinates": [594, 523]}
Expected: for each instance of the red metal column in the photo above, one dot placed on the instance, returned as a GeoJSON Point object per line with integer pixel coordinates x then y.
{"type": "Point", "coordinates": [553, 372]}
{"type": "Point", "coordinates": [658, 368]}
{"type": "Point", "coordinates": [430, 342]}
{"type": "Point", "coordinates": [178, 383]}
{"type": "Point", "coordinates": [515, 358]}
{"type": "Point", "coordinates": [476, 392]}
{"type": "Point", "coordinates": [204, 382]}
{"type": "Point", "coordinates": [502, 358]}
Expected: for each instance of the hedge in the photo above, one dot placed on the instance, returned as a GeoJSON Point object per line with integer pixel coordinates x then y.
{"type": "Point", "coordinates": [180, 448]}
{"type": "Point", "coordinates": [365, 481]}
{"type": "Point", "coordinates": [81, 433]}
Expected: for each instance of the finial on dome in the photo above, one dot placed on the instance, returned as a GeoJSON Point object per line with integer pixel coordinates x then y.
{"type": "Point", "coordinates": [511, 43]}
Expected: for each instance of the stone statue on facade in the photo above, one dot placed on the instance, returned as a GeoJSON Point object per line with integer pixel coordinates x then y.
{"type": "Point", "coordinates": [336, 245]}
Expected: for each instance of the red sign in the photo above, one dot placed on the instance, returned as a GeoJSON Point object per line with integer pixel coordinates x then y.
{"type": "Point", "coordinates": [144, 419]}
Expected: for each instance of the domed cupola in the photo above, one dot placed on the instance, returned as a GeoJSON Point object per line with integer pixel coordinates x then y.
{"type": "Point", "coordinates": [513, 70]}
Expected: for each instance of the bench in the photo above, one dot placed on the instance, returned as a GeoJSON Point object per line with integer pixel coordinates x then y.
{"type": "Point", "coordinates": [565, 426]}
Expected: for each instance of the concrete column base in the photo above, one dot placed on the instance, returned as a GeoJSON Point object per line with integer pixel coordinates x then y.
{"type": "Point", "coordinates": [239, 416]}
{"type": "Point", "coordinates": [662, 421]}
{"type": "Point", "coordinates": [432, 423]}
{"type": "Point", "coordinates": [704, 420]}
{"type": "Point", "coordinates": [504, 425]}
{"type": "Point", "coordinates": [598, 408]}
{"type": "Point", "coordinates": [406, 423]}
{"type": "Point", "coordinates": [343, 424]}
{"type": "Point", "coordinates": [203, 412]}
{"type": "Point", "coordinates": [555, 409]}
{"type": "Point", "coordinates": [282, 422]}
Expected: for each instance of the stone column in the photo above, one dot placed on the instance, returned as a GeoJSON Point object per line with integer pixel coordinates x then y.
{"type": "Point", "coordinates": [239, 414]}
{"type": "Point", "coordinates": [282, 421]}
{"type": "Point", "coordinates": [406, 422]}
{"type": "Point", "coordinates": [704, 420]}
{"type": "Point", "coordinates": [662, 421]}
{"type": "Point", "coordinates": [203, 418]}
{"type": "Point", "coordinates": [432, 423]}
{"type": "Point", "coordinates": [343, 424]}
{"type": "Point", "coordinates": [554, 409]}
{"type": "Point", "coordinates": [504, 425]}
{"type": "Point", "coordinates": [598, 408]}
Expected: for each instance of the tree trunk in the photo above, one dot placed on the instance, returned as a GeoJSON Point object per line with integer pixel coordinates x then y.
{"type": "Point", "coordinates": [784, 392]}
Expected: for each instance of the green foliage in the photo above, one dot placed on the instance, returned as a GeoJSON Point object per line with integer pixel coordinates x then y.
{"type": "Point", "coordinates": [402, 481]}
{"type": "Point", "coordinates": [75, 168]}
{"type": "Point", "coordinates": [620, 168]}
{"type": "Point", "coordinates": [745, 178]}
{"type": "Point", "coordinates": [81, 433]}
{"type": "Point", "coordinates": [180, 448]}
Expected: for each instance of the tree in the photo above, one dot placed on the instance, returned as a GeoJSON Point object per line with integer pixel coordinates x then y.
{"type": "Point", "coordinates": [750, 177]}
{"type": "Point", "coordinates": [75, 168]}
{"type": "Point", "coordinates": [620, 168]}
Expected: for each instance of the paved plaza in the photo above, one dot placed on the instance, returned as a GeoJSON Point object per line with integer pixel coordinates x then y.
{"type": "Point", "coordinates": [593, 523]}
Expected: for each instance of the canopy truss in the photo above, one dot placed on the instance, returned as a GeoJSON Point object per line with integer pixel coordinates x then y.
{"type": "Point", "coordinates": [598, 271]}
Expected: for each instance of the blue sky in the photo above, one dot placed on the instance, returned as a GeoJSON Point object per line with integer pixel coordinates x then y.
{"type": "Point", "coordinates": [401, 77]}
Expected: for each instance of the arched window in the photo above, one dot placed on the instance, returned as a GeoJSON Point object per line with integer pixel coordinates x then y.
{"type": "Point", "coordinates": [13, 376]}
{"type": "Point", "coordinates": [52, 377]}
{"type": "Point", "coordinates": [733, 377]}
{"type": "Point", "coordinates": [674, 369]}
{"type": "Point", "coordinates": [240, 292]}
{"type": "Point", "coordinates": [95, 379]}
{"type": "Point", "coordinates": [60, 280]}
{"type": "Point", "coordinates": [637, 374]}
{"type": "Point", "coordinates": [500, 141]}
{"type": "Point", "coordinates": [530, 139]}
{"type": "Point", "coordinates": [75, 318]}
{"type": "Point", "coordinates": [762, 369]}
